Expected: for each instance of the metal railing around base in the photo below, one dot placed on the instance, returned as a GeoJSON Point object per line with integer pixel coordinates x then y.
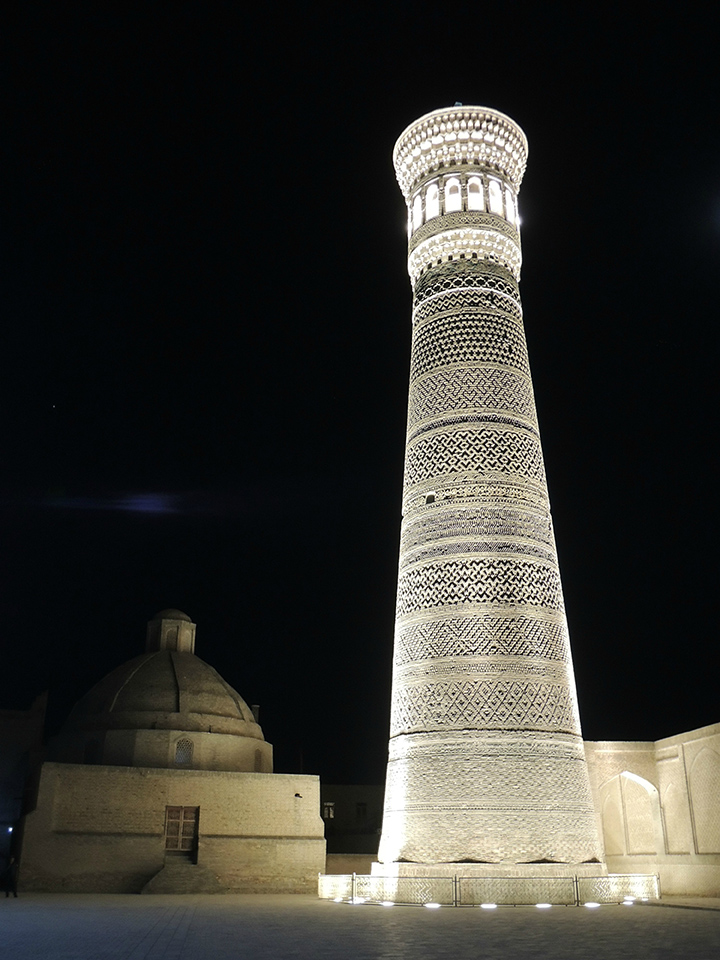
{"type": "Point", "coordinates": [475, 891]}
{"type": "Point", "coordinates": [618, 887]}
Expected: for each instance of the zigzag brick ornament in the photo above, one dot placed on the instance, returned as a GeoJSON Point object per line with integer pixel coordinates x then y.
{"type": "Point", "coordinates": [486, 759]}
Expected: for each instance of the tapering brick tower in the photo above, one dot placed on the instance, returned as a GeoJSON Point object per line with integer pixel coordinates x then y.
{"type": "Point", "coordinates": [486, 756]}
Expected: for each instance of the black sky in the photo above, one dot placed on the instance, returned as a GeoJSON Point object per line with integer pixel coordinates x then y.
{"type": "Point", "coordinates": [207, 323]}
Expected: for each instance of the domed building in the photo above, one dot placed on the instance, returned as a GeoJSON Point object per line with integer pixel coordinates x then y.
{"type": "Point", "coordinates": [161, 780]}
{"type": "Point", "coordinates": [165, 708]}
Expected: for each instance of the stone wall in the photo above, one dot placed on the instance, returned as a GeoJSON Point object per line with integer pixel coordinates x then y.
{"type": "Point", "coordinates": [102, 828]}
{"type": "Point", "coordinates": [345, 863]}
{"type": "Point", "coordinates": [157, 748]}
{"type": "Point", "coordinates": [658, 809]}
{"type": "Point", "coordinates": [353, 818]}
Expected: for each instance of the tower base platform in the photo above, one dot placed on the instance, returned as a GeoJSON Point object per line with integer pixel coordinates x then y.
{"type": "Point", "coordinates": [489, 884]}
{"type": "Point", "coordinates": [471, 869]}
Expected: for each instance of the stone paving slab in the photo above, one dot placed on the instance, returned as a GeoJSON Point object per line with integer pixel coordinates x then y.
{"type": "Point", "coordinates": [694, 903]}
{"type": "Point", "coordinates": [247, 927]}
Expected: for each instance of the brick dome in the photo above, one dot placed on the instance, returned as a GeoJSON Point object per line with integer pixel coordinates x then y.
{"type": "Point", "coordinates": [165, 708]}
{"type": "Point", "coordinates": [165, 689]}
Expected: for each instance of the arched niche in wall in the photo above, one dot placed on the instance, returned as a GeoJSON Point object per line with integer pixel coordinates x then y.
{"type": "Point", "coordinates": [704, 782]}
{"type": "Point", "coordinates": [476, 200]}
{"type": "Point", "coordinates": [495, 197]}
{"type": "Point", "coordinates": [612, 819]}
{"type": "Point", "coordinates": [631, 818]}
{"type": "Point", "coordinates": [453, 195]}
{"type": "Point", "coordinates": [510, 207]}
{"type": "Point", "coordinates": [417, 212]}
{"type": "Point", "coordinates": [432, 202]}
{"type": "Point", "coordinates": [641, 805]}
{"type": "Point", "coordinates": [676, 817]}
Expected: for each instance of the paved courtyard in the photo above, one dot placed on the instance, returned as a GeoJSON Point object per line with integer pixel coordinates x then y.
{"type": "Point", "coordinates": [114, 927]}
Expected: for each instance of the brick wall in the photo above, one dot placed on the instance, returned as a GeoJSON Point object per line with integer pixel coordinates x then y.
{"type": "Point", "coordinates": [102, 828]}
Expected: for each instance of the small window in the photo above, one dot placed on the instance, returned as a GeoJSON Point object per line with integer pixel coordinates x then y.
{"type": "Point", "coordinates": [432, 202]}
{"type": "Point", "coordinates": [328, 810]}
{"type": "Point", "coordinates": [183, 752]}
{"type": "Point", "coordinates": [430, 498]}
{"type": "Point", "coordinates": [453, 197]}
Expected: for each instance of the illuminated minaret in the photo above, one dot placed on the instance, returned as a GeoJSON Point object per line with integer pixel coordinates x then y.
{"type": "Point", "coordinates": [486, 755]}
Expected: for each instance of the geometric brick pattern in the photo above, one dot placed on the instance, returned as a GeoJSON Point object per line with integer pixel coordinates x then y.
{"type": "Point", "coordinates": [483, 705]}
{"type": "Point", "coordinates": [493, 546]}
{"type": "Point", "coordinates": [482, 635]}
{"type": "Point", "coordinates": [445, 523]}
{"type": "Point", "coordinates": [486, 756]}
{"type": "Point", "coordinates": [497, 580]}
{"type": "Point", "coordinates": [487, 388]}
{"type": "Point", "coordinates": [498, 225]}
{"type": "Point", "coordinates": [471, 890]}
{"type": "Point", "coordinates": [468, 338]}
{"type": "Point", "coordinates": [465, 219]}
{"type": "Point", "coordinates": [461, 278]}
{"type": "Point", "coordinates": [489, 244]}
{"type": "Point", "coordinates": [482, 450]}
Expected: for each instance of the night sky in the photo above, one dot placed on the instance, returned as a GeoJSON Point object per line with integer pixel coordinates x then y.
{"type": "Point", "coordinates": [207, 340]}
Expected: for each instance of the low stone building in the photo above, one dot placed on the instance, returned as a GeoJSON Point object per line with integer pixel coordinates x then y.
{"type": "Point", "coordinates": [658, 805]}
{"type": "Point", "coordinates": [162, 781]}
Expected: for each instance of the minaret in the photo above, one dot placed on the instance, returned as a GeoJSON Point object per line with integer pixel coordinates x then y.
{"type": "Point", "coordinates": [486, 756]}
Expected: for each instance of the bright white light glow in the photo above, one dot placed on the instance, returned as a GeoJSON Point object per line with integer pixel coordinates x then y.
{"type": "Point", "coordinates": [432, 202]}
{"type": "Point", "coordinates": [592, 904]}
{"type": "Point", "coordinates": [337, 900]}
{"type": "Point", "coordinates": [629, 899]}
{"type": "Point", "coordinates": [358, 900]}
{"type": "Point", "coordinates": [453, 197]}
{"type": "Point", "coordinates": [387, 903]}
{"type": "Point", "coordinates": [543, 906]}
{"type": "Point", "coordinates": [432, 906]}
{"type": "Point", "coordinates": [475, 194]}
{"type": "Point", "coordinates": [628, 903]}
{"type": "Point", "coordinates": [417, 212]}
{"type": "Point", "coordinates": [510, 211]}
{"type": "Point", "coordinates": [488, 906]}
{"type": "Point", "coordinates": [10, 829]}
{"type": "Point", "coordinates": [495, 196]}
